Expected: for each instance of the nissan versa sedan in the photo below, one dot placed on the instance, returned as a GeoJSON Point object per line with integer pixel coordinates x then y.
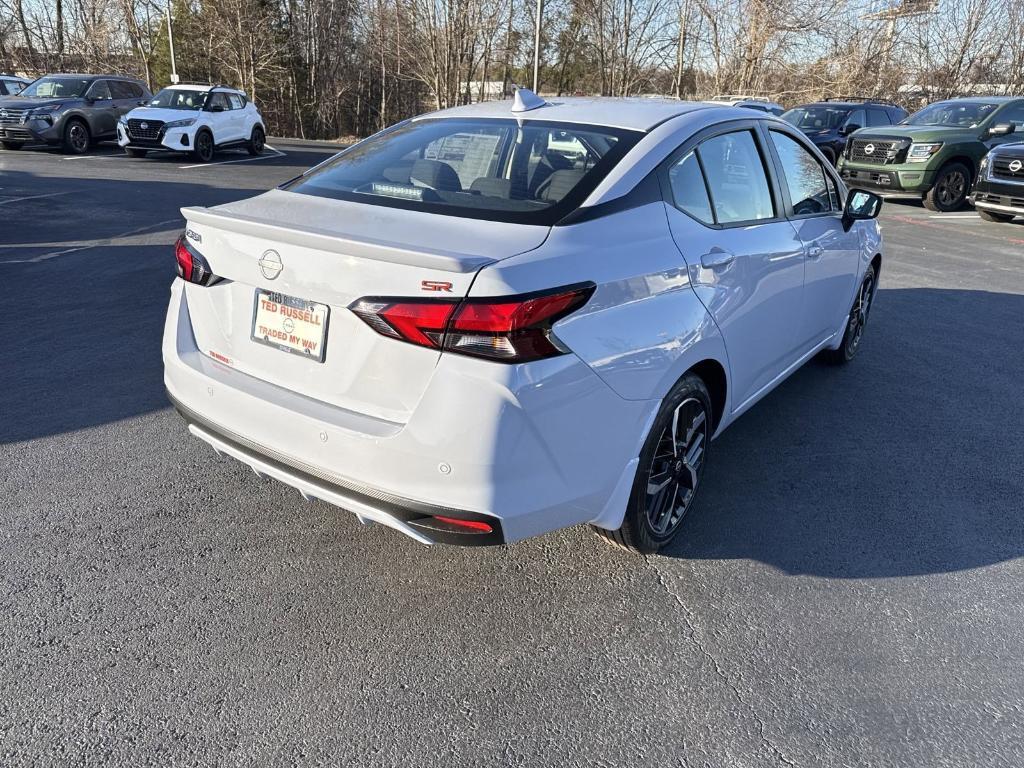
{"type": "Point", "coordinates": [502, 319]}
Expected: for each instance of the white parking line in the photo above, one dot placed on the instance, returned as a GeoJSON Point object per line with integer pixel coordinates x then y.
{"type": "Point", "coordinates": [32, 197]}
{"type": "Point", "coordinates": [277, 153]}
{"type": "Point", "coordinates": [971, 216]}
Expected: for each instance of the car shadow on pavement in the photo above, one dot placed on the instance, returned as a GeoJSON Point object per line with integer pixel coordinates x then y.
{"type": "Point", "coordinates": [908, 461]}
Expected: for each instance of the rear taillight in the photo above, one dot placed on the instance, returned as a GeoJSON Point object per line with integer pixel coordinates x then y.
{"type": "Point", "coordinates": [512, 329]}
{"type": "Point", "coordinates": [192, 267]}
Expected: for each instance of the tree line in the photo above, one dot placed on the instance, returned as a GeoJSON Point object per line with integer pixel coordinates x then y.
{"type": "Point", "coordinates": [337, 68]}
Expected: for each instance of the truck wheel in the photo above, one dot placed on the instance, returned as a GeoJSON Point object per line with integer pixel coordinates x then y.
{"type": "Point", "coordinates": [949, 192]}
{"type": "Point", "coordinates": [76, 137]}
{"type": "Point", "coordinates": [829, 154]}
{"type": "Point", "coordinates": [1001, 218]}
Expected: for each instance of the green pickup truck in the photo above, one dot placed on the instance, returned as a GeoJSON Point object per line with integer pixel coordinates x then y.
{"type": "Point", "coordinates": [933, 154]}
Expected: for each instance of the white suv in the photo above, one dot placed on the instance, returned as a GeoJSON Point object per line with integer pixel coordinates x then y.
{"type": "Point", "coordinates": [193, 118]}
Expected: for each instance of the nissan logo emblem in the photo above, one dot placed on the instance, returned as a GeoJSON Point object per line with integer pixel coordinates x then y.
{"type": "Point", "coordinates": [143, 126]}
{"type": "Point", "coordinates": [3, 114]}
{"type": "Point", "coordinates": [1015, 166]}
{"type": "Point", "coordinates": [270, 264]}
{"type": "Point", "coordinates": [869, 149]}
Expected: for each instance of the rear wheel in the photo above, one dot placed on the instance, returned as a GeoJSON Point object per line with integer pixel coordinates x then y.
{"type": "Point", "coordinates": [135, 152]}
{"type": "Point", "coordinates": [11, 145]}
{"type": "Point", "coordinates": [203, 151]}
{"type": "Point", "coordinates": [950, 190]}
{"type": "Point", "coordinates": [856, 321]}
{"type": "Point", "coordinates": [257, 141]}
{"type": "Point", "coordinates": [994, 216]}
{"type": "Point", "coordinates": [671, 466]}
{"type": "Point", "coordinates": [76, 137]}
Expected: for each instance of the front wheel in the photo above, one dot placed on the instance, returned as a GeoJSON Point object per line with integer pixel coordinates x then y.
{"type": "Point", "coordinates": [856, 321]}
{"type": "Point", "coordinates": [952, 186]}
{"type": "Point", "coordinates": [76, 137]}
{"type": "Point", "coordinates": [670, 470]}
{"type": "Point", "coordinates": [993, 216]}
{"type": "Point", "coordinates": [203, 151]}
{"type": "Point", "coordinates": [257, 141]}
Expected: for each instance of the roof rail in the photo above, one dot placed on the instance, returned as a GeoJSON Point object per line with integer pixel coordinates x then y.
{"type": "Point", "coordinates": [864, 99]}
{"type": "Point", "coordinates": [739, 97]}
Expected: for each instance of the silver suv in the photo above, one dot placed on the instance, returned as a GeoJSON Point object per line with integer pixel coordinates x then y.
{"type": "Point", "coordinates": [70, 111]}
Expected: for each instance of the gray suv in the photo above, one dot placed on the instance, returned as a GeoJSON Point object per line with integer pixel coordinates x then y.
{"type": "Point", "coordinates": [71, 111]}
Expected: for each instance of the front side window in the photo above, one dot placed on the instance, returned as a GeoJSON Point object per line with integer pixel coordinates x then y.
{"type": "Point", "coordinates": [808, 184]}
{"type": "Point", "coordinates": [177, 98]}
{"type": "Point", "coordinates": [857, 119]}
{"type": "Point", "coordinates": [530, 171]}
{"type": "Point", "coordinates": [100, 91]}
{"type": "Point", "coordinates": [736, 178]}
{"type": "Point", "coordinates": [1014, 113]}
{"type": "Point", "coordinates": [963, 114]}
{"type": "Point", "coordinates": [878, 117]}
{"type": "Point", "coordinates": [57, 88]}
{"type": "Point", "coordinates": [121, 90]}
{"type": "Point", "coordinates": [218, 99]}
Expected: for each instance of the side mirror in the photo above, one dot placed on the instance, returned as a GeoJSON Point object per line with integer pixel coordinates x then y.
{"type": "Point", "coordinates": [1002, 129]}
{"type": "Point", "coordinates": [861, 205]}
{"type": "Point", "coordinates": [850, 128]}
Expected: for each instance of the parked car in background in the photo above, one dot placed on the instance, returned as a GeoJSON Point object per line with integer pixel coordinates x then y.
{"type": "Point", "coordinates": [933, 154]}
{"type": "Point", "coordinates": [449, 328]}
{"type": "Point", "coordinates": [11, 85]}
{"type": "Point", "coordinates": [70, 111]}
{"type": "Point", "coordinates": [828, 123]}
{"type": "Point", "coordinates": [198, 119]}
{"type": "Point", "coordinates": [760, 103]}
{"type": "Point", "coordinates": [998, 194]}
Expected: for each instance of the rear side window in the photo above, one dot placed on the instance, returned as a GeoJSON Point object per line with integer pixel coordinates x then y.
{"type": "Point", "coordinates": [809, 189]}
{"type": "Point", "coordinates": [689, 190]}
{"type": "Point", "coordinates": [236, 101]}
{"type": "Point", "coordinates": [736, 178]}
{"type": "Point", "coordinates": [528, 172]}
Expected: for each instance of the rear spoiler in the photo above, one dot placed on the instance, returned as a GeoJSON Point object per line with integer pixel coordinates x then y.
{"type": "Point", "coordinates": [309, 237]}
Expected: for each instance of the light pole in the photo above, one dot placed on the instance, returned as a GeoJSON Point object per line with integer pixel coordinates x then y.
{"type": "Point", "coordinates": [536, 47]}
{"type": "Point", "coordinates": [170, 40]}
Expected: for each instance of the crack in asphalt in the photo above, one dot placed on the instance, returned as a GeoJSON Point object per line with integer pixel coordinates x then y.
{"type": "Point", "coordinates": [719, 671]}
{"type": "Point", "coordinates": [149, 231]}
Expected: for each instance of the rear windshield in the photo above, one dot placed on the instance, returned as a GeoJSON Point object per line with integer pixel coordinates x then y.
{"type": "Point", "coordinates": [528, 172]}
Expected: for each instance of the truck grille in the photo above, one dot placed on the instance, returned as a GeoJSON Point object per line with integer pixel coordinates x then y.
{"type": "Point", "coordinates": [878, 151]}
{"type": "Point", "coordinates": [1001, 168]}
{"type": "Point", "coordinates": [12, 116]}
{"type": "Point", "coordinates": [144, 129]}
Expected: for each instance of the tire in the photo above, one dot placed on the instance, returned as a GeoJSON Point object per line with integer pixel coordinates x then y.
{"type": "Point", "coordinates": [136, 152]}
{"type": "Point", "coordinates": [654, 515]}
{"type": "Point", "coordinates": [949, 193]}
{"type": "Point", "coordinates": [203, 151]}
{"type": "Point", "coordinates": [77, 139]}
{"type": "Point", "coordinates": [856, 321]}
{"type": "Point", "coordinates": [829, 154]}
{"type": "Point", "coordinates": [11, 145]}
{"type": "Point", "coordinates": [994, 216]}
{"type": "Point", "coordinates": [257, 141]}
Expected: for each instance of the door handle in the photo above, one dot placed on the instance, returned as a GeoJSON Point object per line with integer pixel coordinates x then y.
{"type": "Point", "coordinates": [717, 258]}
{"type": "Point", "coordinates": [814, 252]}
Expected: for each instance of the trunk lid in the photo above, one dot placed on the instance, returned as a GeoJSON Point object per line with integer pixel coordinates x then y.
{"type": "Point", "coordinates": [330, 253]}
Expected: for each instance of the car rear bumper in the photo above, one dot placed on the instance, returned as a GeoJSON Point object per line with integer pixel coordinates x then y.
{"type": "Point", "coordinates": [526, 451]}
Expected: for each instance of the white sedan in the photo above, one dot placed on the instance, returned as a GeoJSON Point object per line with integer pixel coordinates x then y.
{"type": "Point", "coordinates": [502, 319]}
{"type": "Point", "coordinates": [197, 119]}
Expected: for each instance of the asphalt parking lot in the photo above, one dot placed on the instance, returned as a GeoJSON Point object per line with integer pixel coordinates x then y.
{"type": "Point", "coordinates": [848, 592]}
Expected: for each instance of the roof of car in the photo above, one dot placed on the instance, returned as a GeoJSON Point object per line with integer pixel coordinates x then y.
{"type": "Point", "coordinates": [638, 114]}
{"type": "Point", "coordinates": [85, 76]}
{"type": "Point", "coordinates": [202, 87]}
